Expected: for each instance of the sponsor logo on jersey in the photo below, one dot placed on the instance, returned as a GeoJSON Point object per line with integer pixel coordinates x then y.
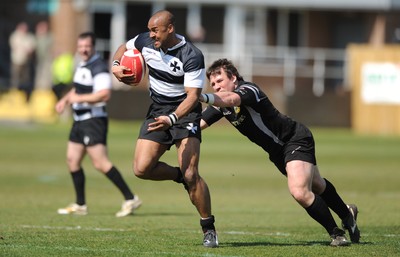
{"type": "Point", "coordinates": [297, 148]}
{"type": "Point", "coordinates": [239, 121]}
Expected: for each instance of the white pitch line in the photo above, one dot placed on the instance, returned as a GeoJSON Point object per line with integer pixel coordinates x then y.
{"type": "Point", "coordinates": [193, 231]}
{"type": "Point", "coordinates": [256, 233]}
{"type": "Point", "coordinates": [126, 230]}
{"type": "Point", "coordinates": [125, 252]}
{"type": "Point", "coordinates": [75, 228]}
{"type": "Point", "coordinates": [392, 235]}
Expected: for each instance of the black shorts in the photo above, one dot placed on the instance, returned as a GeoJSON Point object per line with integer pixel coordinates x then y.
{"type": "Point", "coordinates": [300, 147]}
{"type": "Point", "coordinates": [188, 126]}
{"type": "Point", "coordinates": [89, 132]}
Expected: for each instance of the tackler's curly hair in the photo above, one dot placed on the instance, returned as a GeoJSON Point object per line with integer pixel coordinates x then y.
{"type": "Point", "coordinates": [228, 67]}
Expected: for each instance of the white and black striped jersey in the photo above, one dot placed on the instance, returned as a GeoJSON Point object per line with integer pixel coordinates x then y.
{"type": "Point", "coordinates": [170, 72]}
{"type": "Point", "coordinates": [90, 77]}
{"type": "Point", "coordinates": [256, 118]}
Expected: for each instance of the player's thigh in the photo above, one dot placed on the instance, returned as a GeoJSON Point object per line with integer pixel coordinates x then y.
{"type": "Point", "coordinates": [99, 157]}
{"type": "Point", "coordinates": [188, 153]}
{"type": "Point", "coordinates": [299, 174]}
{"type": "Point", "coordinates": [75, 154]}
{"type": "Point", "coordinates": [147, 155]}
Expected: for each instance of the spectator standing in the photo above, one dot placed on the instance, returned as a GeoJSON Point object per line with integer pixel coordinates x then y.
{"type": "Point", "coordinates": [43, 56]}
{"type": "Point", "coordinates": [22, 44]}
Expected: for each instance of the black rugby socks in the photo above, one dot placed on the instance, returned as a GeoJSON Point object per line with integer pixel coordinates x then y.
{"type": "Point", "coordinates": [207, 223]}
{"type": "Point", "coordinates": [333, 200]}
{"type": "Point", "coordinates": [319, 211]}
{"type": "Point", "coordinates": [78, 178]}
{"type": "Point", "coordinates": [115, 176]}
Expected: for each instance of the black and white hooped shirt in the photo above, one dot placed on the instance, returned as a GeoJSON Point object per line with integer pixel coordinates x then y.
{"type": "Point", "coordinates": [170, 72]}
{"type": "Point", "coordinates": [90, 77]}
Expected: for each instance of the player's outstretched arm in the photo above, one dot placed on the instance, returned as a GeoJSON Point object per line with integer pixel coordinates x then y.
{"type": "Point", "coordinates": [221, 99]}
{"type": "Point", "coordinates": [203, 124]}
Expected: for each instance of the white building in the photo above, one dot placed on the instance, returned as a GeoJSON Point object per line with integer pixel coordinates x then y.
{"type": "Point", "coordinates": [289, 39]}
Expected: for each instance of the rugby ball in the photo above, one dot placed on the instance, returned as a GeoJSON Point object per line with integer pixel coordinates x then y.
{"type": "Point", "coordinates": [134, 60]}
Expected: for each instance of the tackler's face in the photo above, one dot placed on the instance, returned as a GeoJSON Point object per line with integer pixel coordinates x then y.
{"type": "Point", "coordinates": [220, 81]}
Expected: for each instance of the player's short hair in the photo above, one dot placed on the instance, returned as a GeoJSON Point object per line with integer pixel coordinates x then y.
{"type": "Point", "coordinates": [88, 34]}
{"type": "Point", "coordinates": [228, 67]}
{"type": "Point", "coordinates": [170, 18]}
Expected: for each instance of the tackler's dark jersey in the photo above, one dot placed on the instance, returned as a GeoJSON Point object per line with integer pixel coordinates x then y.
{"type": "Point", "coordinates": [256, 118]}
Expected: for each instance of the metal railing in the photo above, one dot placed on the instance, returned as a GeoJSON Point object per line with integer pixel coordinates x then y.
{"type": "Point", "coordinates": [288, 63]}
{"type": "Point", "coordinates": [317, 64]}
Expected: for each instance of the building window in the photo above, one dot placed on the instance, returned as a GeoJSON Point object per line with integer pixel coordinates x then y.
{"type": "Point", "coordinates": [213, 23]}
{"type": "Point", "coordinates": [137, 16]}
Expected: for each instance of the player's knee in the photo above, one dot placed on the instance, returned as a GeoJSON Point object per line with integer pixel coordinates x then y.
{"type": "Point", "coordinates": [102, 166]}
{"type": "Point", "coordinates": [140, 174]}
{"type": "Point", "coordinates": [139, 171]}
{"type": "Point", "coordinates": [191, 176]}
{"type": "Point", "coordinates": [72, 164]}
{"type": "Point", "coordinates": [99, 167]}
{"type": "Point", "coordinates": [300, 195]}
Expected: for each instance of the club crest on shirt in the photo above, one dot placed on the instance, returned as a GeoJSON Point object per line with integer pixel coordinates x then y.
{"type": "Point", "coordinates": [83, 76]}
{"type": "Point", "coordinates": [192, 128]}
{"type": "Point", "coordinates": [237, 109]}
{"type": "Point", "coordinates": [174, 65]}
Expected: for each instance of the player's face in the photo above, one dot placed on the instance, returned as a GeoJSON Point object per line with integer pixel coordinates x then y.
{"type": "Point", "coordinates": [85, 48]}
{"type": "Point", "coordinates": [220, 81]}
{"type": "Point", "coordinates": [160, 32]}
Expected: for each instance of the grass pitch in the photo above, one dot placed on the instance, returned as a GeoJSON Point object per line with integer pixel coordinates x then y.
{"type": "Point", "coordinates": [255, 215]}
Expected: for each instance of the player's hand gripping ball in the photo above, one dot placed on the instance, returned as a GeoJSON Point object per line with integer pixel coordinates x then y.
{"type": "Point", "coordinates": [133, 60]}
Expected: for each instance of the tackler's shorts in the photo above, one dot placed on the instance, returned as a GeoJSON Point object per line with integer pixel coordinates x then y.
{"type": "Point", "coordinates": [300, 147]}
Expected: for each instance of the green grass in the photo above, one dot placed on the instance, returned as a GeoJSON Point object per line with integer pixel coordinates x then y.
{"type": "Point", "coordinates": [255, 215]}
